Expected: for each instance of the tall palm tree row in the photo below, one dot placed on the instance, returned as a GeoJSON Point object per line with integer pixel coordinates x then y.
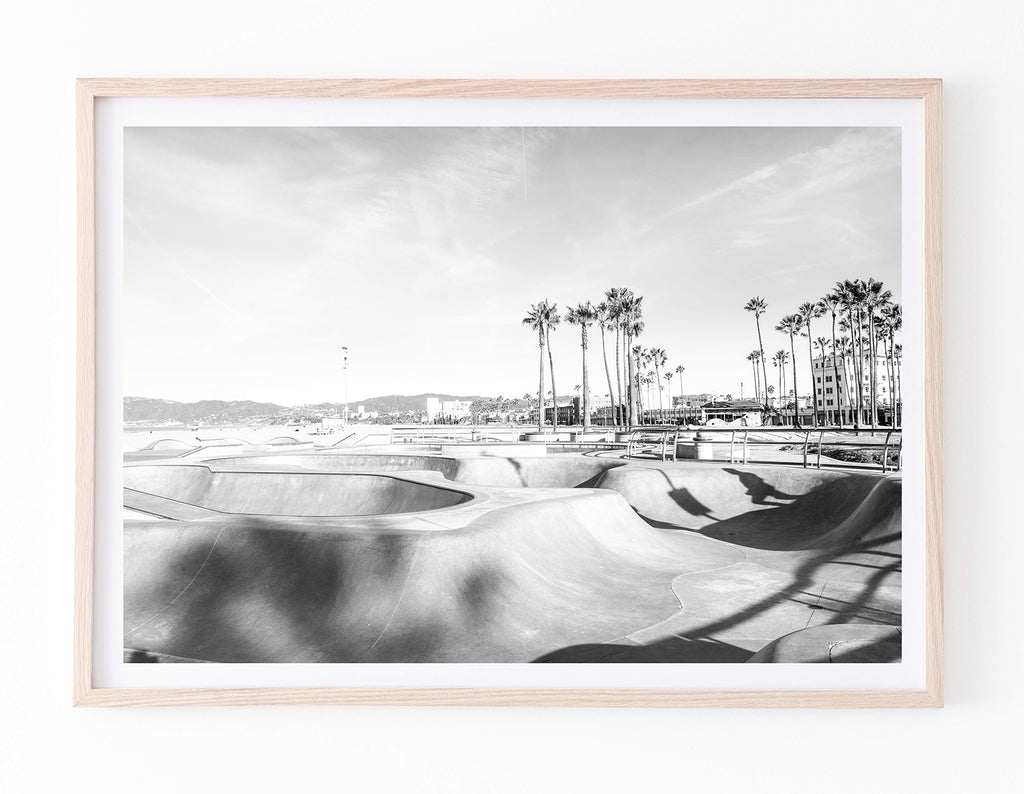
{"type": "Point", "coordinates": [621, 313]}
{"type": "Point", "coordinates": [869, 319]}
{"type": "Point", "coordinates": [864, 347]}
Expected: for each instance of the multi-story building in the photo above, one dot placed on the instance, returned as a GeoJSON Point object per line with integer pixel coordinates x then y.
{"type": "Point", "coordinates": [447, 410]}
{"type": "Point", "coordinates": [840, 393]}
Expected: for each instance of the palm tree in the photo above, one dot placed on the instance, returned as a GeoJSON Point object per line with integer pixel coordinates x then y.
{"type": "Point", "coordinates": [639, 356]}
{"type": "Point", "coordinates": [613, 301]}
{"type": "Point", "coordinates": [633, 326]}
{"type": "Point", "coordinates": [679, 371]}
{"type": "Point", "coordinates": [897, 357]}
{"type": "Point", "coordinates": [603, 321]}
{"type": "Point", "coordinates": [758, 386]}
{"type": "Point", "coordinates": [536, 319]}
{"type": "Point", "coordinates": [668, 385]}
{"type": "Point", "coordinates": [849, 294]}
{"type": "Point", "coordinates": [831, 304]}
{"type": "Point", "coordinates": [658, 359]}
{"type": "Point", "coordinates": [759, 306]}
{"type": "Point", "coordinates": [822, 344]}
{"type": "Point", "coordinates": [780, 359]}
{"type": "Point", "coordinates": [552, 321]}
{"type": "Point", "coordinates": [584, 316]}
{"type": "Point", "coordinates": [753, 357]}
{"type": "Point", "coordinates": [791, 324]}
{"type": "Point", "coordinates": [876, 298]}
{"type": "Point", "coordinates": [809, 311]}
{"type": "Point", "coordinates": [892, 323]}
{"type": "Point", "coordinates": [643, 382]}
{"type": "Point", "coordinates": [844, 347]}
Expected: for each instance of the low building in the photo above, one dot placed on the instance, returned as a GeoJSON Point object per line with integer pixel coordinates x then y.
{"type": "Point", "coordinates": [691, 400]}
{"type": "Point", "coordinates": [569, 412]}
{"type": "Point", "coordinates": [332, 424]}
{"type": "Point", "coordinates": [447, 411]}
{"type": "Point", "coordinates": [732, 410]}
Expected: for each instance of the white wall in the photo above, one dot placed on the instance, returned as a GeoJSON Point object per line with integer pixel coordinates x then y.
{"type": "Point", "coordinates": [45, 745]}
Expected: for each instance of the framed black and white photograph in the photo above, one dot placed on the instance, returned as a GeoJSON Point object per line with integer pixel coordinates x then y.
{"type": "Point", "coordinates": [509, 392]}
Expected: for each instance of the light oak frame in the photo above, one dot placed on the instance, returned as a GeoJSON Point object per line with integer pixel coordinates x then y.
{"type": "Point", "coordinates": [928, 91]}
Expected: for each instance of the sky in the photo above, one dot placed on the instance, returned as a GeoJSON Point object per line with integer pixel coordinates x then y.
{"type": "Point", "coordinates": [254, 254]}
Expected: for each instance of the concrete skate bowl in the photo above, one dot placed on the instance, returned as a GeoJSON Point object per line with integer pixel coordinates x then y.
{"type": "Point", "coordinates": [690, 564]}
{"type": "Point", "coordinates": [771, 508]}
{"type": "Point", "coordinates": [161, 448]}
{"type": "Point", "coordinates": [284, 441]}
{"type": "Point", "coordinates": [510, 586]}
{"type": "Point", "coordinates": [482, 470]}
{"type": "Point", "coordinates": [197, 491]}
{"type": "Point", "coordinates": [168, 445]}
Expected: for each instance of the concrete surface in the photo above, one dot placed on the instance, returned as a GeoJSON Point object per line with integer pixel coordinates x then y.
{"type": "Point", "coordinates": [282, 493]}
{"type": "Point", "coordinates": [341, 557]}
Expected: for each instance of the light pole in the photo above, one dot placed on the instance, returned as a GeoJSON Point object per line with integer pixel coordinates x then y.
{"type": "Point", "coordinates": [344, 369]}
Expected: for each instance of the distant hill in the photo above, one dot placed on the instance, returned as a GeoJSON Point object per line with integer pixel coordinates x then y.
{"type": "Point", "coordinates": [148, 410]}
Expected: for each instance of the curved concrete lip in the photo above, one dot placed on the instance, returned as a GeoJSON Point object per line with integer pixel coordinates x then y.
{"type": "Point", "coordinates": [147, 502]}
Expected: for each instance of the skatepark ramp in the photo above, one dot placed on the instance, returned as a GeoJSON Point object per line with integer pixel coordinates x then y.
{"type": "Point", "coordinates": [328, 557]}
{"type": "Point", "coordinates": [563, 471]}
{"type": "Point", "coordinates": [511, 587]}
{"type": "Point", "coordinates": [283, 493]}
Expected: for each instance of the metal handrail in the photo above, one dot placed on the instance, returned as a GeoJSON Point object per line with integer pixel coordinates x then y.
{"type": "Point", "coordinates": [639, 441]}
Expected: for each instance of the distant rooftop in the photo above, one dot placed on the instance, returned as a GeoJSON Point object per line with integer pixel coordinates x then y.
{"type": "Point", "coordinates": [733, 405]}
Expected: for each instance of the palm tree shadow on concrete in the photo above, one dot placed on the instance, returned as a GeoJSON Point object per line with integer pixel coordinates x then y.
{"type": "Point", "coordinates": [700, 643]}
{"type": "Point", "coordinates": [213, 622]}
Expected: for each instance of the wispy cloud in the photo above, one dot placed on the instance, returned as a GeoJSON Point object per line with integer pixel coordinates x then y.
{"type": "Point", "coordinates": [420, 247]}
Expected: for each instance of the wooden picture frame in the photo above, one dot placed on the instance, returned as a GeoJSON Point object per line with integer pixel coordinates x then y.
{"type": "Point", "coordinates": [927, 91]}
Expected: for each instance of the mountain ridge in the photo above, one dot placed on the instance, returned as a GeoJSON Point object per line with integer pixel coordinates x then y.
{"type": "Point", "coordinates": [156, 410]}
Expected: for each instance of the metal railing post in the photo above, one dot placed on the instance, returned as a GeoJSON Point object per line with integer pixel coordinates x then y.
{"type": "Point", "coordinates": [821, 440]}
{"type": "Point", "coordinates": [732, 445]}
{"type": "Point", "coordinates": [807, 441]}
{"type": "Point", "coordinates": [746, 433]}
{"type": "Point", "coordinates": [885, 452]}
